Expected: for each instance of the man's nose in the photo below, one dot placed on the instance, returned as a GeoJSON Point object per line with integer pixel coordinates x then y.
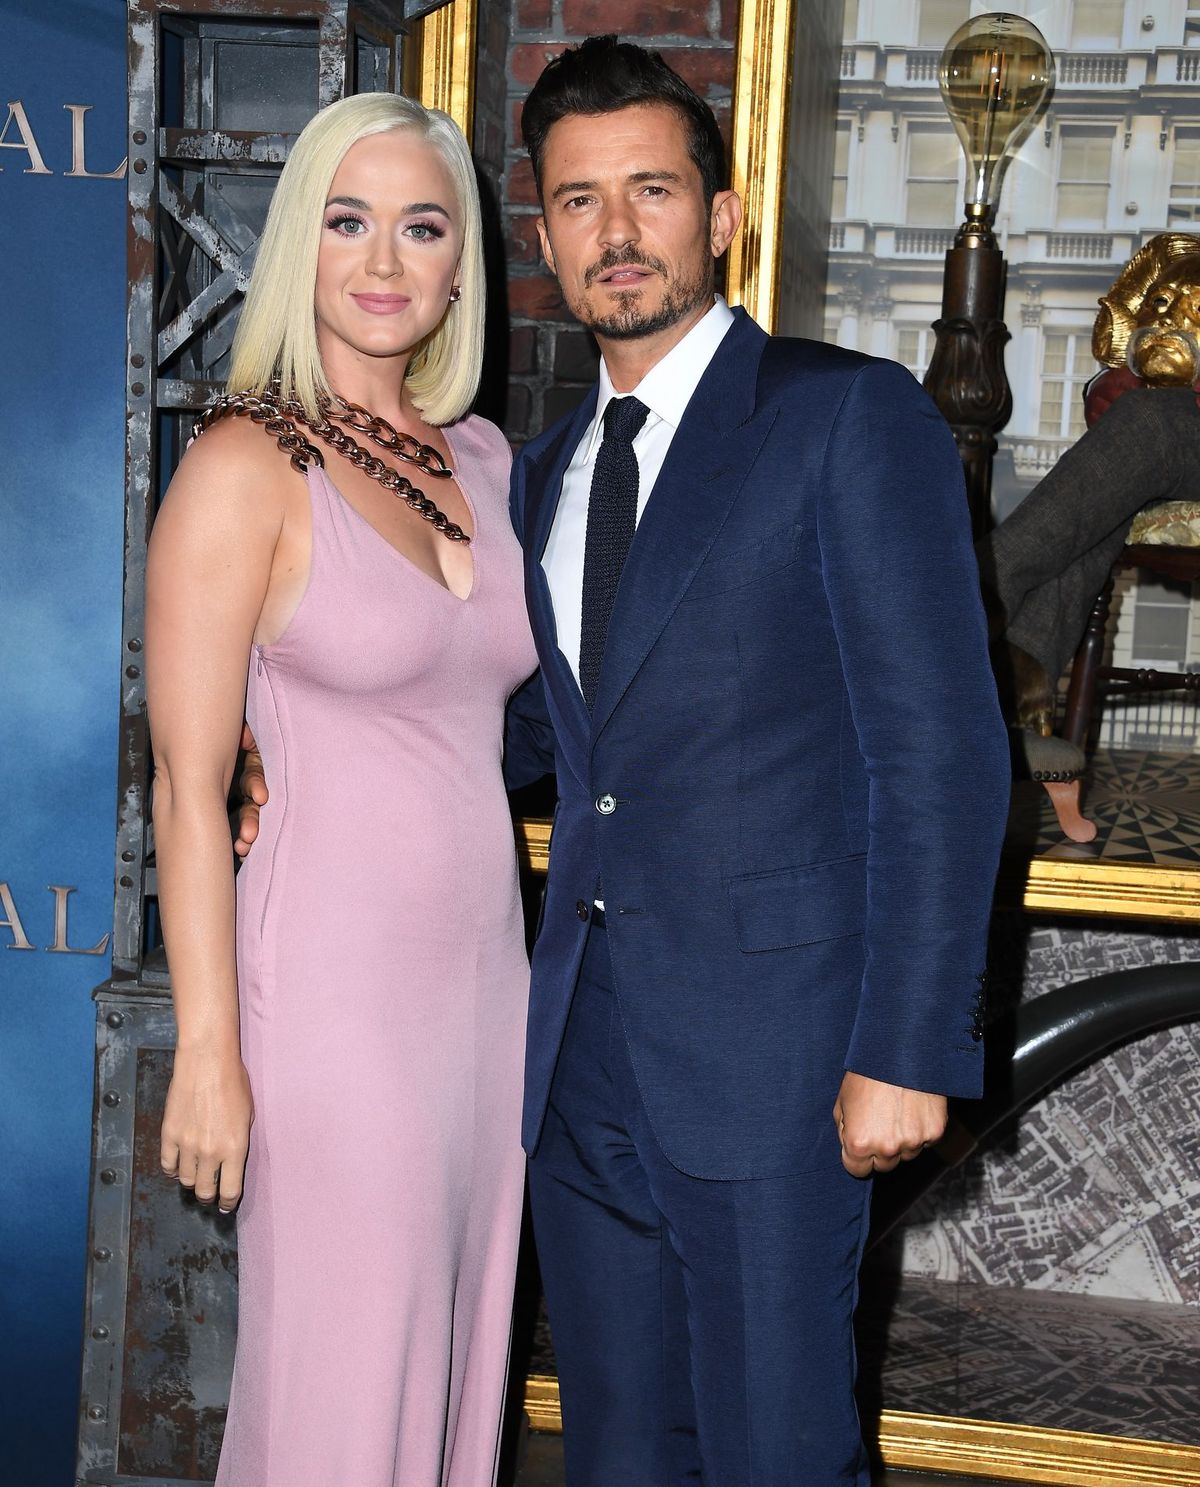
{"type": "Point", "coordinates": [618, 227]}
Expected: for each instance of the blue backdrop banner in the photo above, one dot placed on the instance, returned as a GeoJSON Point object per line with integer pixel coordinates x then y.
{"type": "Point", "coordinates": [62, 198]}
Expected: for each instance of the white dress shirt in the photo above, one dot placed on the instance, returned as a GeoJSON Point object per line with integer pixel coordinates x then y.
{"type": "Point", "coordinates": [666, 390]}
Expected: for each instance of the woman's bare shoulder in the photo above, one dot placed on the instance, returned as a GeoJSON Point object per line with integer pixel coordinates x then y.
{"type": "Point", "coordinates": [235, 461]}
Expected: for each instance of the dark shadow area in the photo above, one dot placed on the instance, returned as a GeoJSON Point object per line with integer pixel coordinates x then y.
{"type": "Point", "coordinates": [492, 399]}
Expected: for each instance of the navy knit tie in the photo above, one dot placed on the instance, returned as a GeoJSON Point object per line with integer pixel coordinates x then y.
{"type": "Point", "coordinates": [612, 518]}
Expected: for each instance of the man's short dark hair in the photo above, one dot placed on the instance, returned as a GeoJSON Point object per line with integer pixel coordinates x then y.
{"type": "Point", "coordinates": [602, 75]}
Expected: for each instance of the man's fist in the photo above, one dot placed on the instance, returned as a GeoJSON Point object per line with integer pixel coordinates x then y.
{"type": "Point", "coordinates": [881, 1125]}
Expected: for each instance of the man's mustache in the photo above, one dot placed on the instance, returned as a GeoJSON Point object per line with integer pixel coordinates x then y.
{"type": "Point", "coordinates": [626, 258]}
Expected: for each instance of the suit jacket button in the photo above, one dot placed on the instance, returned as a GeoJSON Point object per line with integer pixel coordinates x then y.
{"type": "Point", "coordinates": [605, 804]}
{"type": "Point", "coordinates": [582, 910]}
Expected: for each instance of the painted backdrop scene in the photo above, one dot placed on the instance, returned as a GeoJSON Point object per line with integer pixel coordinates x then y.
{"type": "Point", "coordinates": [1051, 1278]}
{"type": "Point", "coordinates": [62, 330]}
{"type": "Point", "coordinates": [1064, 1256]}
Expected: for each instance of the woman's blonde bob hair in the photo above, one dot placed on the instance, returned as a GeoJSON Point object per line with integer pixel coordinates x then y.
{"type": "Point", "coordinates": [277, 334]}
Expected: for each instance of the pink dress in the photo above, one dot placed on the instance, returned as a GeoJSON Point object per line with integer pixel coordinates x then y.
{"type": "Point", "coordinates": [383, 981]}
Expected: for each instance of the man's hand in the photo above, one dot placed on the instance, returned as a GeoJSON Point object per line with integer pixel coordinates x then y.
{"type": "Point", "coordinates": [254, 794]}
{"type": "Point", "coordinates": [881, 1125]}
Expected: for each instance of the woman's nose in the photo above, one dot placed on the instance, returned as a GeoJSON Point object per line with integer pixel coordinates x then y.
{"type": "Point", "coordinates": [384, 262]}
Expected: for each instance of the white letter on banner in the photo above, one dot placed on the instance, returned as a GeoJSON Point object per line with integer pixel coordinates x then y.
{"type": "Point", "coordinates": [78, 165]}
{"type": "Point", "coordinates": [16, 115]}
{"type": "Point", "coordinates": [12, 920]}
{"type": "Point", "coordinates": [60, 945]}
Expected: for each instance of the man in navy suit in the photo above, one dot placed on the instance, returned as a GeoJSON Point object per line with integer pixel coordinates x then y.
{"type": "Point", "coordinates": [782, 781]}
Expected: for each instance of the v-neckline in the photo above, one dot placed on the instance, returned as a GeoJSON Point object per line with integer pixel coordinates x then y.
{"type": "Point", "coordinates": [404, 557]}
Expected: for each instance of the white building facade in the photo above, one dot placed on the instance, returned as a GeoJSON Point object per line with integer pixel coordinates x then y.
{"type": "Point", "coordinates": [1115, 160]}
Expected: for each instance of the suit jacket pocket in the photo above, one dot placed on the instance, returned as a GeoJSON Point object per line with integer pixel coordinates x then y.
{"type": "Point", "coordinates": [800, 905]}
{"type": "Point", "coordinates": [730, 568]}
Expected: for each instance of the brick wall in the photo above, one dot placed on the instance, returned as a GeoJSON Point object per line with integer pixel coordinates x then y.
{"type": "Point", "coordinates": [551, 360]}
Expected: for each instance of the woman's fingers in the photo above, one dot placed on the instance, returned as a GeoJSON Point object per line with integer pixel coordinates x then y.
{"type": "Point", "coordinates": [232, 1172]}
{"type": "Point", "coordinates": [206, 1127]}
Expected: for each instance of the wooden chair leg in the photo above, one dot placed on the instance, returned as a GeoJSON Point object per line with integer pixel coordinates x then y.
{"type": "Point", "coordinates": [1073, 824]}
{"type": "Point", "coordinates": [1085, 669]}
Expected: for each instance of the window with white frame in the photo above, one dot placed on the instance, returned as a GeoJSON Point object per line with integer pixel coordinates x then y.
{"type": "Point", "coordinates": [1066, 365]}
{"type": "Point", "coordinates": [850, 21]}
{"type": "Point", "coordinates": [914, 348]}
{"type": "Point", "coordinates": [939, 20]}
{"type": "Point", "coordinates": [1097, 24]}
{"type": "Point", "coordinates": [933, 188]}
{"type": "Point", "coordinates": [1084, 175]}
{"type": "Point", "coordinates": [1162, 617]}
{"type": "Point", "coordinates": [1183, 207]}
{"type": "Point", "coordinates": [1191, 24]}
{"type": "Point", "coordinates": [841, 169]}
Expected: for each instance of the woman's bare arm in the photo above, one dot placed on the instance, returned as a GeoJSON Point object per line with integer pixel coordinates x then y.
{"type": "Point", "coordinates": [208, 575]}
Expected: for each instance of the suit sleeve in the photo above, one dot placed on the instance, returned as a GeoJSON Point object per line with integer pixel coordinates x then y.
{"type": "Point", "coordinates": [902, 585]}
{"type": "Point", "coordinates": [528, 731]}
{"type": "Point", "coordinates": [528, 735]}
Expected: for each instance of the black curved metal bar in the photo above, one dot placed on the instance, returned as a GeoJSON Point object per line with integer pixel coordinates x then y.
{"type": "Point", "coordinates": [1035, 1046]}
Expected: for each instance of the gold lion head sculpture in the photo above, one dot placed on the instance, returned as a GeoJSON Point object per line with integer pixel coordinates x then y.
{"type": "Point", "coordinates": [1150, 319]}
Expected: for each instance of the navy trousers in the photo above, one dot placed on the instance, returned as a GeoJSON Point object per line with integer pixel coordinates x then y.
{"type": "Point", "coordinates": [702, 1329]}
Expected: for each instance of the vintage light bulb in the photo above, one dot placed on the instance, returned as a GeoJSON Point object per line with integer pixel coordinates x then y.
{"type": "Point", "coordinates": [996, 76]}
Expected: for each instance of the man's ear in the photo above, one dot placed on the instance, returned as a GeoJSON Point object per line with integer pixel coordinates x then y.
{"type": "Point", "coordinates": [725, 220]}
{"type": "Point", "coordinates": [547, 250]}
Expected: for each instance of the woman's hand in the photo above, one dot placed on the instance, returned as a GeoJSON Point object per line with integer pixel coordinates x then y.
{"type": "Point", "coordinates": [206, 1125]}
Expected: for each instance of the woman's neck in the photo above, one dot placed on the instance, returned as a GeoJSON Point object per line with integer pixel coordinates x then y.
{"type": "Point", "coordinates": [375, 383]}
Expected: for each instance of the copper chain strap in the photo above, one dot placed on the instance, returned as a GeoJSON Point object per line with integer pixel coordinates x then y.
{"type": "Point", "coordinates": [279, 417]}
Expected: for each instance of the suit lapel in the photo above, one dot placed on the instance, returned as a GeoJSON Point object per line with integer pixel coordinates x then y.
{"type": "Point", "coordinates": [711, 454]}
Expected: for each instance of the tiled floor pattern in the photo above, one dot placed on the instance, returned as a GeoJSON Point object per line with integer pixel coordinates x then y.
{"type": "Point", "coordinates": [1146, 806]}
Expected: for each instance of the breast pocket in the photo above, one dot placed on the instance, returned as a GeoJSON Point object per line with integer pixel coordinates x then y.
{"type": "Point", "coordinates": [749, 562]}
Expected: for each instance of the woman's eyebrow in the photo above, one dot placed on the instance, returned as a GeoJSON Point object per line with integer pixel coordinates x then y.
{"type": "Point", "coordinates": [410, 210]}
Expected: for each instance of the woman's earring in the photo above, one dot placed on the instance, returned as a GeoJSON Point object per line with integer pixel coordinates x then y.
{"type": "Point", "coordinates": [455, 295]}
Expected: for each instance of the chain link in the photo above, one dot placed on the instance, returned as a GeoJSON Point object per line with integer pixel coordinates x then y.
{"type": "Point", "coordinates": [279, 417]}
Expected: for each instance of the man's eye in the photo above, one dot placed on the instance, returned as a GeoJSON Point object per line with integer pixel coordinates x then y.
{"type": "Point", "coordinates": [656, 191]}
{"type": "Point", "coordinates": [578, 201]}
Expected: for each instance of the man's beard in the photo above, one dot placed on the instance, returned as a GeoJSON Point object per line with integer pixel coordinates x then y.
{"type": "Point", "coordinates": [628, 322]}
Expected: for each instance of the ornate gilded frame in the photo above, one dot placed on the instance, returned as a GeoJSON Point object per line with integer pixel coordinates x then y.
{"type": "Point", "coordinates": [443, 74]}
{"type": "Point", "coordinates": [940, 1443]}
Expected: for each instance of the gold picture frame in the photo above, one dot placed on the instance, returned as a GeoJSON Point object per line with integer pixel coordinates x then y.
{"type": "Point", "coordinates": [967, 1447]}
{"type": "Point", "coordinates": [440, 68]}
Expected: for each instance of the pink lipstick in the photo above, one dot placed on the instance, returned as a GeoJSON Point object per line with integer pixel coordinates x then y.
{"type": "Point", "coordinates": [381, 304]}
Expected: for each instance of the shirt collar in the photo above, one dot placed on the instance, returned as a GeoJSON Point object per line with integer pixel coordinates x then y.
{"type": "Point", "coordinates": [667, 387]}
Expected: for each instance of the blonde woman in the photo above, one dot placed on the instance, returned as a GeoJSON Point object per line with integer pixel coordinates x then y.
{"type": "Point", "coordinates": [355, 1042]}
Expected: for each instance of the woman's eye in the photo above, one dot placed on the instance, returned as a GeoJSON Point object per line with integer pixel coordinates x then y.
{"type": "Point", "coordinates": [424, 232]}
{"type": "Point", "coordinates": [350, 227]}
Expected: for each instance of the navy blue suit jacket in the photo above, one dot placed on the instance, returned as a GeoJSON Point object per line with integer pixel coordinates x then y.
{"type": "Point", "coordinates": [798, 725]}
